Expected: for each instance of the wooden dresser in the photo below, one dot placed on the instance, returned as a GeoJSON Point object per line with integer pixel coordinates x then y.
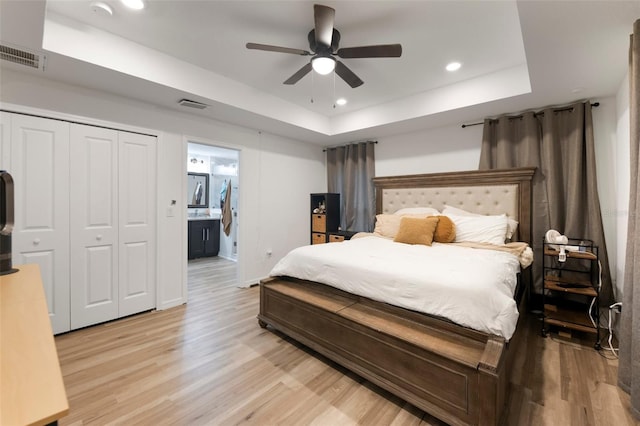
{"type": "Point", "coordinates": [31, 388]}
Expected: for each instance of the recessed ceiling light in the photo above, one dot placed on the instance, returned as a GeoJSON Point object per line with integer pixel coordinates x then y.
{"type": "Point", "coordinates": [101, 8]}
{"type": "Point", "coordinates": [454, 66]}
{"type": "Point", "coordinates": [341, 101]}
{"type": "Point", "coordinates": [133, 4]}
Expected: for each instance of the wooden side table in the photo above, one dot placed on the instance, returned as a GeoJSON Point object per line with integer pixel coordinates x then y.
{"type": "Point", "coordinates": [31, 387]}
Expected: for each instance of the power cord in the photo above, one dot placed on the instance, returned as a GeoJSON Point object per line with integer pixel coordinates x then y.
{"type": "Point", "coordinates": [617, 307]}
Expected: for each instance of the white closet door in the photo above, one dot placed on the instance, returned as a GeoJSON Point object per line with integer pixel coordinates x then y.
{"type": "Point", "coordinates": [94, 225]}
{"type": "Point", "coordinates": [5, 141]}
{"type": "Point", "coordinates": [40, 168]}
{"type": "Point", "coordinates": [137, 222]}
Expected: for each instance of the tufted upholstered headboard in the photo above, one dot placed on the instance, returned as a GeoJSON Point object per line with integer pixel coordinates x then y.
{"type": "Point", "coordinates": [479, 191]}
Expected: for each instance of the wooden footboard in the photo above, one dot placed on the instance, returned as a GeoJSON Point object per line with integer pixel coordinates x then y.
{"type": "Point", "coordinates": [454, 373]}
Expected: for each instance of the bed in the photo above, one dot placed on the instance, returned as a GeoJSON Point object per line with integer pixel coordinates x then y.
{"type": "Point", "coordinates": [455, 372]}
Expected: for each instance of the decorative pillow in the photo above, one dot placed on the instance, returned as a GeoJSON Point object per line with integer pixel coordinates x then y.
{"type": "Point", "coordinates": [480, 229]}
{"type": "Point", "coordinates": [512, 224]}
{"type": "Point", "coordinates": [415, 230]}
{"type": "Point", "coordinates": [424, 211]}
{"type": "Point", "coordinates": [445, 230]}
{"type": "Point", "coordinates": [387, 225]}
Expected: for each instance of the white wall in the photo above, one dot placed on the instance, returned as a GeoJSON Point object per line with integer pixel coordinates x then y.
{"type": "Point", "coordinates": [622, 182]}
{"type": "Point", "coordinates": [441, 149]}
{"type": "Point", "coordinates": [604, 133]}
{"type": "Point", "coordinates": [277, 175]}
{"type": "Point", "coordinates": [453, 148]}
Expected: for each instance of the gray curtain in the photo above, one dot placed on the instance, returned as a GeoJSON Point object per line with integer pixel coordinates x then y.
{"type": "Point", "coordinates": [559, 142]}
{"type": "Point", "coordinates": [350, 170]}
{"type": "Point", "coordinates": [629, 362]}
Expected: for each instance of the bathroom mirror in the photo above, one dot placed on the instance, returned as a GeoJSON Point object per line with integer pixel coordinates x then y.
{"type": "Point", "coordinates": [198, 190]}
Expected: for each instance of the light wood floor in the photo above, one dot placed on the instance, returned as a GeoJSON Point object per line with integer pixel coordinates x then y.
{"type": "Point", "coordinates": [209, 363]}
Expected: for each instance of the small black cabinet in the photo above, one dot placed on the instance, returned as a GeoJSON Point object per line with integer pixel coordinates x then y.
{"type": "Point", "coordinates": [204, 238]}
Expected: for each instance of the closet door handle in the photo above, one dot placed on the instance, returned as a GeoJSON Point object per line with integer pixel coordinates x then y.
{"type": "Point", "coordinates": [208, 234]}
{"type": "Point", "coordinates": [203, 239]}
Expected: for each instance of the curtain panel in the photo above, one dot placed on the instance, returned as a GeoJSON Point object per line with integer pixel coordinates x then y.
{"type": "Point", "coordinates": [559, 142]}
{"type": "Point", "coordinates": [629, 361]}
{"type": "Point", "coordinates": [350, 170]}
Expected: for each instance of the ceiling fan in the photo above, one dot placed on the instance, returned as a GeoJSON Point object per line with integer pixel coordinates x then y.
{"type": "Point", "coordinates": [324, 40]}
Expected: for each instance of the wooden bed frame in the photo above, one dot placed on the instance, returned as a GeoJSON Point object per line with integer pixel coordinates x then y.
{"type": "Point", "coordinates": [454, 373]}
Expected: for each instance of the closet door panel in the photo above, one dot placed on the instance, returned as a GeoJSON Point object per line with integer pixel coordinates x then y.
{"type": "Point", "coordinates": [136, 279]}
{"type": "Point", "coordinates": [39, 152]}
{"type": "Point", "coordinates": [137, 223]}
{"type": "Point", "coordinates": [94, 226]}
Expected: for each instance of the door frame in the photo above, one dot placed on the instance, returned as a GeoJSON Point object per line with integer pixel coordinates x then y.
{"type": "Point", "coordinates": [240, 218]}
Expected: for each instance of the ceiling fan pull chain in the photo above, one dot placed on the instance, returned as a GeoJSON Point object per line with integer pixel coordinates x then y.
{"type": "Point", "coordinates": [334, 89]}
{"type": "Point", "coordinates": [311, 87]}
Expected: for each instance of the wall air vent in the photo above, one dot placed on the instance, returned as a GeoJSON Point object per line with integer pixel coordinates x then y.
{"type": "Point", "coordinates": [192, 104]}
{"type": "Point", "coordinates": [22, 57]}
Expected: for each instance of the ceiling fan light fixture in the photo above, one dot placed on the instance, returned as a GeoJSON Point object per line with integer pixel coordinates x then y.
{"type": "Point", "coordinates": [323, 65]}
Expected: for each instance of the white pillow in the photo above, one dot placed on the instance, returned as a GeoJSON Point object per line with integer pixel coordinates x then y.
{"type": "Point", "coordinates": [426, 211]}
{"type": "Point", "coordinates": [480, 229]}
{"type": "Point", "coordinates": [512, 224]}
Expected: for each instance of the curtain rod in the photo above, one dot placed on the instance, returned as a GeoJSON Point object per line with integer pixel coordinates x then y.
{"type": "Point", "coordinates": [352, 143]}
{"type": "Point", "coordinates": [595, 105]}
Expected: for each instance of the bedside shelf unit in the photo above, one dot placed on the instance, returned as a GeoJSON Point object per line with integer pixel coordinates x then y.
{"type": "Point", "coordinates": [325, 223]}
{"type": "Point", "coordinates": [571, 293]}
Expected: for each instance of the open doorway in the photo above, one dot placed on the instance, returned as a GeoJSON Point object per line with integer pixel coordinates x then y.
{"type": "Point", "coordinates": [213, 187]}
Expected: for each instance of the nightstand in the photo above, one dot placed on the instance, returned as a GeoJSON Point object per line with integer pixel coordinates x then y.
{"type": "Point", "coordinates": [571, 288]}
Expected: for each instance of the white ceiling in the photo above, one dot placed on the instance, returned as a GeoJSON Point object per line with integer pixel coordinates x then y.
{"type": "Point", "coordinates": [515, 55]}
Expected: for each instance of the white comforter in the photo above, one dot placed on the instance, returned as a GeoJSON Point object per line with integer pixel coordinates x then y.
{"type": "Point", "coordinates": [471, 287]}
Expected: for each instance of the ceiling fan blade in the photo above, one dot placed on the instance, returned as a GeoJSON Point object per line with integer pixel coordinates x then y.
{"type": "Point", "coordinates": [324, 17]}
{"type": "Point", "coordinates": [347, 75]}
{"type": "Point", "coordinates": [377, 51]}
{"type": "Point", "coordinates": [299, 74]}
{"type": "Point", "coordinates": [270, 48]}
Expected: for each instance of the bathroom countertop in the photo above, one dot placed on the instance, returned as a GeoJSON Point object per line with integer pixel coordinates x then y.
{"type": "Point", "coordinates": [205, 217]}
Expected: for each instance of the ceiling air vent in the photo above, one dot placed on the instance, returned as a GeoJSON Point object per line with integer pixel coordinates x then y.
{"type": "Point", "coordinates": [192, 104]}
{"type": "Point", "coordinates": [22, 57]}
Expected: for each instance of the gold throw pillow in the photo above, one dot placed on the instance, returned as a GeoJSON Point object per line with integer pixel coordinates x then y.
{"type": "Point", "coordinates": [445, 231]}
{"type": "Point", "coordinates": [416, 231]}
